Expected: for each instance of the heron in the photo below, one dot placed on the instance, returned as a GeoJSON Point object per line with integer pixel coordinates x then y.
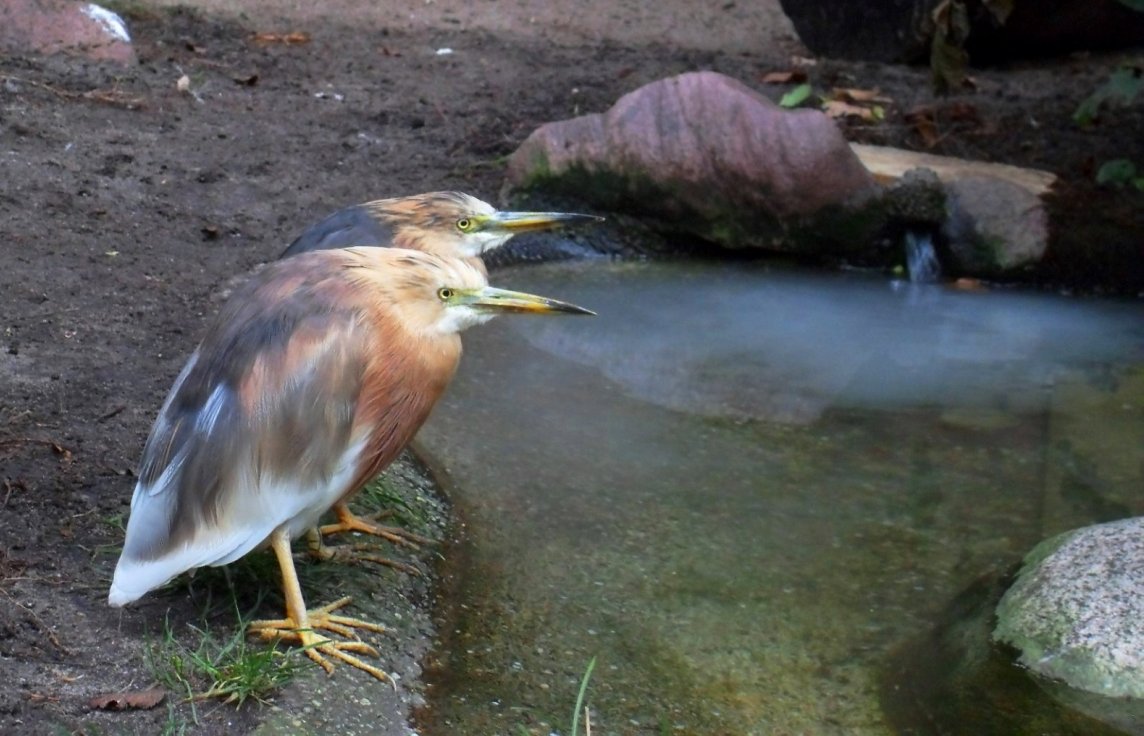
{"type": "Point", "coordinates": [313, 377]}
{"type": "Point", "coordinates": [446, 223]}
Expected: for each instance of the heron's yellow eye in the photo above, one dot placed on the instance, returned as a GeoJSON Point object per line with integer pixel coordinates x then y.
{"type": "Point", "coordinates": [465, 224]}
{"type": "Point", "coordinates": [444, 293]}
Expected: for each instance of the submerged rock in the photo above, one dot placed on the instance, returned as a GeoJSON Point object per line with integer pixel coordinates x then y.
{"type": "Point", "coordinates": [64, 26]}
{"type": "Point", "coordinates": [1076, 611]}
{"type": "Point", "coordinates": [705, 154]}
{"type": "Point", "coordinates": [954, 680]}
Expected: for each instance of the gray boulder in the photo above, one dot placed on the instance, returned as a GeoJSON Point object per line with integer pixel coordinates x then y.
{"type": "Point", "coordinates": [1076, 611]}
{"type": "Point", "coordinates": [994, 226]}
{"type": "Point", "coordinates": [706, 154]}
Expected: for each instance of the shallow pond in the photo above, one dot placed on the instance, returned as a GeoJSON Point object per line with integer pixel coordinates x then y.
{"type": "Point", "coordinates": [751, 493]}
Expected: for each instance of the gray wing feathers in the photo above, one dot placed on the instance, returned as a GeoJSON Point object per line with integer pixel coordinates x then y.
{"type": "Point", "coordinates": [343, 229]}
{"type": "Point", "coordinates": [217, 476]}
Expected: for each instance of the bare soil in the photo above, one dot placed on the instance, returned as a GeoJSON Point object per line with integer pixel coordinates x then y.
{"type": "Point", "coordinates": [126, 205]}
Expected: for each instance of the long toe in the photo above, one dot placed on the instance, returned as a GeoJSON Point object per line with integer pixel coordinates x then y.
{"type": "Point", "coordinates": [348, 521]}
{"type": "Point", "coordinates": [361, 554]}
{"type": "Point", "coordinates": [340, 651]}
{"type": "Point", "coordinates": [317, 646]}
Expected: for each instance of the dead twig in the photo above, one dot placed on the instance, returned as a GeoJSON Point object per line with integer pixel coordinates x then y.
{"type": "Point", "coordinates": [112, 413]}
{"type": "Point", "coordinates": [105, 96]}
{"type": "Point", "coordinates": [57, 448]}
{"type": "Point", "coordinates": [51, 634]}
{"type": "Point", "coordinates": [9, 486]}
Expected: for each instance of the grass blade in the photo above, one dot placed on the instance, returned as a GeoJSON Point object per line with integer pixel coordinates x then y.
{"type": "Point", "coordinates": [580, 696]}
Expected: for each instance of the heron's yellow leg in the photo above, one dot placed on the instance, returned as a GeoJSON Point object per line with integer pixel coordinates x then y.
{"type": "Point", "coordinates": [300, 624]}
{"type": "Point", "coordinates": [348, 521]}
{"type": "Point", "coordinates": [351, 553]}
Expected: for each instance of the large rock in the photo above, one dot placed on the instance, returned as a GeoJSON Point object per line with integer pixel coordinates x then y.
{"type": "Point", "coordinates": [63, 26]}
{"type": "Point", "coordinates": [707, 154]}
{"type": "Point", "coordinates": [1076, 612]}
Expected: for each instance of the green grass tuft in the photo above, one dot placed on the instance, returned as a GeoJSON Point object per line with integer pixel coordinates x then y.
{"type": "Point", "coordinates": [230, 668]}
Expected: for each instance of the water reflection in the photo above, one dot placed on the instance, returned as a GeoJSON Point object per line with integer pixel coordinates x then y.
{"type": "Point", "coordinates": [740, 489]}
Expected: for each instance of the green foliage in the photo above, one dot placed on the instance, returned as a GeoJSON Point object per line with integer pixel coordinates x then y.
{"type": "Point", "coordinates": [948, 58]}
{"type": "Point", "coordinates": [1121, 88]}
{"type": "Point", "coordinates": [227, 668]}
{"type": "Point", "coordinates": [1120, 172]}
{"type": "Point", "coordinates": [1137, 5]}
{"type": "Point", "coordinates": [949, 61]}
{"type": "Point", "coordinates": [382, 495]}
{"type": "Point", "coordinates": [796, 96]}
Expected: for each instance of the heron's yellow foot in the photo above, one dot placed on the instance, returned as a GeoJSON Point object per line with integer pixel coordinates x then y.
{"type": "Point", "coordinates": [352, 553]}
{"type": "Point", "coordinates": [318, 647]}
{"type": "Point", "coordinates": [348, 521]}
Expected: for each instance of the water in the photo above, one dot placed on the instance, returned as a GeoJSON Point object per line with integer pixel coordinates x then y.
{"type": "Point", "coordinates": [921, 258]}
{"type": "Point", "coordinates": [747, 492]}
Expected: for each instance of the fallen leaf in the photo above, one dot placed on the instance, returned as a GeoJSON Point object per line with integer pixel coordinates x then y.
{"type": "Point", "coordinates": [963, 112]}
{"type": "Point", "coordinates": [1000, 9]}
{"type": "Point", "coordinates": [843, 109]}
{"type": "Point", "coordinates": [128, 700]}
{"type": "Point", "coordinates": [967, 284]}
{"type": "Point", "coordinates": [923, 120]}
{"type": "Point", "coordinates": [794, 76]}
{"type": "Point", "coordinates": [850, 94]}
{"type": "Point", "coordinates": [927, 131]}
{"type": "Point", "coordinates": [289, 39]}
{"type": "Point", "coordinates": [249, 81]}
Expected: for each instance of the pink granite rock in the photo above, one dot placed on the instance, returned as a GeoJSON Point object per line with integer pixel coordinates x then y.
{"type": "Point", "coordinates": [710, 155]}
{"type": "Point", "coordinates": [63, 26]}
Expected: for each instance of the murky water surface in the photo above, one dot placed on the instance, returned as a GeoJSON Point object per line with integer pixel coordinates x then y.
{"type": "Point", "coordinates": [751, 494]}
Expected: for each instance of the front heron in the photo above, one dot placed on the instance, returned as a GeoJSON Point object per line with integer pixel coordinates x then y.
{"type": "Point", "coordinates": [313, 377]}
{"type": "Point", "coordinates": [450, 224]}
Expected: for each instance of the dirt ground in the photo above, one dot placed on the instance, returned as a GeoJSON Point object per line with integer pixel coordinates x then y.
{"type": "Point", "coordinates": [126, 205]}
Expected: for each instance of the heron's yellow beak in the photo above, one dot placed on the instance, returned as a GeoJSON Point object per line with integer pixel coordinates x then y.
{"type": "Point", "coordinates": [496, 300]}
{"type": "Point", "coordinates": [520, 222]}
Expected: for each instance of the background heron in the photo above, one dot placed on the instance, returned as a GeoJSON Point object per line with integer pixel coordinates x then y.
{"type": "Point", "coordinates": [314, 376]}
{"type": "Point", "coordinates": [445, 223]}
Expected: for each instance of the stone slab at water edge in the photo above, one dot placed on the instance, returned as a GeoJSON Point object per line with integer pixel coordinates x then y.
{"type": "Point", "coordinates": [1076, 611]}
